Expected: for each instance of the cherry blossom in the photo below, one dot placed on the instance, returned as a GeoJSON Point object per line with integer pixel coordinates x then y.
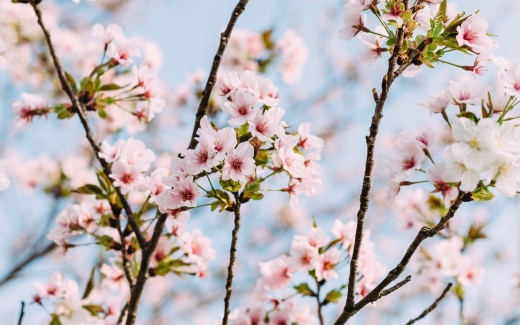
{"type": "Point", "coordinates": [409, 158]}
{"type": "Point", "coordinates": [125, 175]}
{"type": "Point", "coordinates": [240, 107]}
{"type": "Point", "coordinates": [435, 175]}
{"type": "Point", "coordinates": [326, 264]}
{"type": "Point", "coordinates": [375, 45]}
{"type": "Point", "coordinates": [354, 24]}
{"type": "Point", "coordinates": [112, 32]}
{"type": "Point", "coordinates": [276, 274]}
{"type": "Point", "coordinates": [510, 79]}
{"type": "Point", "coordinates": [437, 102]}
{"type": "Point", "coordinates": [30, 106]}
{"type": "Point", "coordinates": [184, 193]}
{"type": "Point", "coordinates": [473, 33]}
{"type": "Point", "coordinates": [266, 125]}
{"type": "Point", "coordinates": [239, 163]}
{"type": "Point", "coordinates": [122, 50]}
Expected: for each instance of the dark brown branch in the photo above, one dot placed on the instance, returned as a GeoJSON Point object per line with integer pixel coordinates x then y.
{"type": "Point", "coordinates": [28, 260]}
{"type": "Point", "coordinates": [212, 79]}
{"type": "Point", "coordinates": [432, 307]}
{"type": "Point", "coordinates": [122, 315]}
{"type": "Point", "coordinates": [126, 264]}
{"type": "Point", "coordinates": [147, 253]}
{"type": "Point", "coordinates": [21, 314]}
{"type": "Point", "coordinates": [232, 259]}
{"type": "Point", "coordinates": [394, 288]}
{"type": "Point", "coordinates": [364, 198]}
{"type": "Point", "coordinates": [424, 233]}
{"type": "Point", "coordinates": [67, 88]}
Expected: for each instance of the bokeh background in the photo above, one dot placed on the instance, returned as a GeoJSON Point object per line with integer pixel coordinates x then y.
{"type": "Point", "coordinates": [334, 94]}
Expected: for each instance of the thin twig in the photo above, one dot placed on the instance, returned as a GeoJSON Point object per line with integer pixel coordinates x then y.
{"type": "Point", "coordinates": [232, 259]}
{"type": "Point", "coordinates": [28, 260]}
{"type": "Point", "coordinates": [364, 197]}
{"type": "Point", "coordinates": [136, 292]}
{"type": "Point", "coordinates": [394, 288]}
{"type": "Point", "coordinates": [67, 88]}
{"type": "Point", "coordinates": [320, 314]}
{"type": "Point", "coordinates": [21, 314]}
{"type": "Point", "coordinates": [432, 307]}
{"type": "Point", "coordinates": [212, 78]}
{"type": "Point", "coordinates": [424, 233]}
{"type": "Point", "coordinates": [461, 310]}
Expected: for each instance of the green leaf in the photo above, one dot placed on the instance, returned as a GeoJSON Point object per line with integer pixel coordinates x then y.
{"type": "Point", "coordinates": [55, 320]}
{"type": "Point", "coordinates": [94, 309]}
{"type": "Point", "coordinates": [63, 111]}
{"type": "Point", "coordinates": [88, 189]}
{"type": "Point", "coordinates": [451, 29]}
{"type": "Point", "coordinates": [333, 296]}
{"type": "Point", "coordinates": [469, 115]}
{"type": "Point", "coordinates": [253, 195]}
{"type": "Point", "coordinates": [105, 241]}
{"type": "Point", "coordinates": [90, 283]}
{"type": "Point", "coordinates": [230, 185]}
{"type": "Point", "coordinates": [102, 113]}
{"type": "Point", "coordinates": [441, 14]}
{"type": "Point", "coordinates": [458, 290]}
{"type": "Point", "coordinates": [110, 87]}
{"type": "Point", "coordinates": [482, 193]}
{"type": "Point", "coordinates": [72, 82]}
{"type": "Point", "coordinates": [304, 290]}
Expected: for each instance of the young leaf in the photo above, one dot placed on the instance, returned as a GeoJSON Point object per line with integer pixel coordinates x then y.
{"type": "Point", "coordinates": [304, 290]}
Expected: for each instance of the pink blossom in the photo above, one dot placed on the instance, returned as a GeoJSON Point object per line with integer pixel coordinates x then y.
{"type": "Point", "coordinates": [354, 24]}
{"type": "Point", "coordinates": [27, 109]}
{"type": "Point", "coordinates": [240, 107]}
{"type": "Point", "coordinates": [469, 92]}
{"type": "Point", "coordinates": [395, 11]}
{"type": "Point", "coordinates": [54, 289]}
{"type": "Point", "coordinates": [111, 153]}
{"type": "Point", "coordinates": [510, 79]}
{"type": "Point", "coordinates": [345, 232]}
{"type": "Point", "coordinates": [267, 92]}
{"type": "Point", "coordinates": [107, 35]}
{"type": "Point", "coordinates": [4, 181]}
{"type": "Point", "coordinates": [375, 45]}
{"type": "Point", "coordinates": [471, 274]}
{"type": "Point", "coordinates": [162, 251]}
{"type": "Point", "coordinates": [356, 6]}
{"type": "Point", "coordinates": [239, 163]}
{"type": "Point", "coordinates": [326, 264]}
{"type": "Point", "coordinates": [294, 56]}
{"type": "Point", "coordinates": [266, 125]}
{"type": "Point", "coordinates": [425, 140]}
{"type": "Point", "coordinates": [176, 225]}
{"type": "Point", "coordinates": [178, 170]}
{"type": "Point", "coordinates": [184, 193]}
{"type": "Point", "coordinates": [122, 50]}
{"type": "Point", "coordinates": [276, 273]}
{"type": "Point", "coordinates": [307, 140]}
{"type": "Point", "coordinates": [114, 277]}
{"type": "Point", "coordinates": [196, 246]}
{"type": "Point", "coordinates": [135, 153]}
{"type": "Point", "coordinates": [201, 159]}
{"type": "Point", "coordinates": [437, 102]}
{"type": "Point", "coordinates": [125, 175]}
{"type": "Point", "coordinates": [473, 33]}
{"type": "Point", "coordinates": [153, 183]}
{"type": "Point", "coordinates": [221, 140]}
{"type": "Point", "coordinates": [435, 175]}
{"type": "Point", "coordinates": [304, 257]}
{"type": "Point", "coordinates": [290, 161]}
{"type": "Point", "coordinates": [409, 158]}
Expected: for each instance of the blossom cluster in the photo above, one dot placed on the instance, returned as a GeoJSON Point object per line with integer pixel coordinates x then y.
{"type": "Point", "coordinates": [445, 28]}
{"type": "Point", "coordinates": [97, 306]}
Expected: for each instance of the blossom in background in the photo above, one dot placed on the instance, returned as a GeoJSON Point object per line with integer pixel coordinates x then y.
{"type": "Point", "coordinates": [4, 181]}
{"type": "Point", "coordinates": [294, 56]}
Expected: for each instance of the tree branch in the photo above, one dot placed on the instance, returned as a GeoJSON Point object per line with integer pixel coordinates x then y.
{"type": "Point", "coordinates": [212, 78]}
{"type": "Point", "coordinates": [147, 252]}
{"type": "Point", "coordinates": [432, 307]}
{"type": "Point", "coordinates": [67, 88]}
{"type": "Point", "coordinates": [232, 259]}
{"type": "Point", "coordinates": [126, 265]}
{"type": "Point", "coordinates": [28, 260]}
{"type": "Point", "coordinates": [364, 198]}
{"type": "Point", "coordinates": [21, 314]}
{"type": "Point", "coordinates": [318, 291]}
{"type": "Point", "coordinates": [424, 233]}
{"type": "Point", "coordinates": [394, 288]}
